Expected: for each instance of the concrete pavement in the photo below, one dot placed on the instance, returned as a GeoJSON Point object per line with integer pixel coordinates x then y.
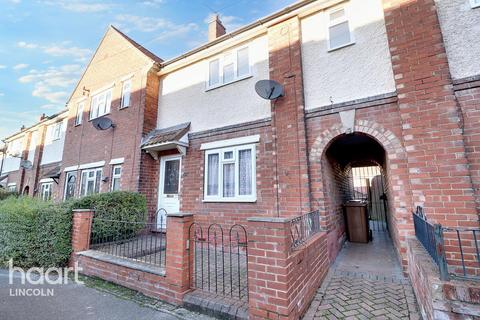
{"type": "Point", "coordinates": [77, 302]}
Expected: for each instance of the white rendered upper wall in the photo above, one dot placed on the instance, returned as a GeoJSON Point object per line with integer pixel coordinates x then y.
{"type": "Point", "coordinates": [184, 96]}
{"type": "Point", "coordinates": [360, 70]}
{"type": "Point", "coordinates": [53, 145]}
{"type": "Point", "coordinates": [460, 24]}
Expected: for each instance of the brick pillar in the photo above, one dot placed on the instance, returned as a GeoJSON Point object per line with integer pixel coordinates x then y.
{"type": "Point", "coordinates": [177, 267]}
{"type": "Point", "coordinates": [268, 248]}
{"type": "Point", "coordinates": [288, 119]}
{"type": "Point", "coordinates": [432, 127]}
{"type": "Point", "coordinates": [81, 230]}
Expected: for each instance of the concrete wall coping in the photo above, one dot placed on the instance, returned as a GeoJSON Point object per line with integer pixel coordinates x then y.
{"type": "Point", "coordinates": [180, 214]}
{"type": "Point", "coordinates": [97, 255]}
{"type": "Point", "coordinates": [83, 210]}
{"type": "Point", "coordinates": [269, 219]}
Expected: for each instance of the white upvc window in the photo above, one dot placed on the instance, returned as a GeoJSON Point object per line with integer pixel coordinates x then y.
{"type": "Point", "coordinates": [90, 182]}
{"type": "Point", "coordinates": [12, 187]}
{"type": "Point", "coordinates": [70, 183]}
{"type": "Point", "coordinates": [126, 90]}
{"type": "Point", "coordinates": [101, 104]}
{"type": "Point", "coordinates": [79, 115]}
{"type": "Point", "coordinates": [46, 191]}
{"type": "Point", "coordinates": [475, 3]}
{"type": "Point", "coordinates": [116, 177]}
{"type": "Point", "coordinates": [57, 131]}
{"type": "Point", "coordinates": [231, 66]}
{"type": "Point", "coordinates": [339, 28]}
{"type": "Point", "coordinates": [230, 174]}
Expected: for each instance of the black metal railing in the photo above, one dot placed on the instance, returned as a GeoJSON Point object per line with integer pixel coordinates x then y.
{"type": "Point", "coordinates": [462, 252]}
{"type": "Point", "coordinates": [219, 260]}
{"type": "Point", "coordinates": [302, 228]}
{"type": "Point", "coordinates": [139, 241]}
{"type": "Point", "coordinates": [454, 250]}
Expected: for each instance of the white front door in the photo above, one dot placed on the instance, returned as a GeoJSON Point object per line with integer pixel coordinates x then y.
{"type": "Point", "coordinates": [168, 188]}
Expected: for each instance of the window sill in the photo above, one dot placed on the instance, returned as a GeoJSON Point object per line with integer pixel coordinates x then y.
{"type": "Point", "coordinates": [341, 47]}
{"type": "Point", "coordinates": [121, 108]}
{"type": "Point", "coordinates": [103, 115]}
{"type": "Point", "coordinates": [232, 200]}
{"type": "Point", "coordinates": [226, 84]}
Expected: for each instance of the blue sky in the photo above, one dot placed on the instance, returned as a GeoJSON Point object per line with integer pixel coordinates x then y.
{"type": "Point", "coordinates": [46, 44]}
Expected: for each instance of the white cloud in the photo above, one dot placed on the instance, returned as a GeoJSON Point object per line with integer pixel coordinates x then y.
{"type": "Point", "coordinates": [59, 50]}
{"type": "Point", "coordinates": [152, 3]}
{"type": "Point", "coordinates": [2, 66]}
{"type": "Point", "coordinates": [2, 94]}
{"type": "Point", "coordinates": [164, 28]}
{"type": "Point", "coordinates": [14, 1]}
{"type": "Point", "coordinates": [20, 66]}
{"type": "Point", "coordinates": [229, 22]}
{"type": "Point", "coordinates": [23, 44]}
{"type": "Point", "coordinates": [52, 84]}
{"type": "Point", "coordinates": [80, 6]}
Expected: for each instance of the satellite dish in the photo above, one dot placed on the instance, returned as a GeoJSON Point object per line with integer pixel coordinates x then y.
{"type": "Point", "coordinates": [26, 164]}
{"type": "Point", "coordinates": [269, 89]}
{"type": "Point", "coordinates": [103, 123]}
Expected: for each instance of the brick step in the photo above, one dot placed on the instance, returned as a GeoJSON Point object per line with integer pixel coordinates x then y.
{"type": "Point", "coordinates": [216, 305]}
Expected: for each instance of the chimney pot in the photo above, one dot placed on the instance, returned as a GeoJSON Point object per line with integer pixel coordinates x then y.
{"type": "Point", "coordinates": [215, 28]}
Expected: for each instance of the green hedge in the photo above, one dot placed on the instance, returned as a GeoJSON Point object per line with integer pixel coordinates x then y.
{"type": "Point", "coordinates": [34, 233]}
{"type": "Point", "coordinates": [128, 207]}
{"type": "Point", "coordinates": [4, 194]}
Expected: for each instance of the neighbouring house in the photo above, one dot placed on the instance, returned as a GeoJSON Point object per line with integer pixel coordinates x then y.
{"type": "Point", "coordinates": [33, 157]}
{"type": "Point", "coordinates": [120, 83]}
{"type": "Point", "coordinates": [381, 102]}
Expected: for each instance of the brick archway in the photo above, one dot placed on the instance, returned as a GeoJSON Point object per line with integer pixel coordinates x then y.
{"type": "Point", "coordinates": [384, 137]}
{"type": "Point", "coordinates": [400, 202]}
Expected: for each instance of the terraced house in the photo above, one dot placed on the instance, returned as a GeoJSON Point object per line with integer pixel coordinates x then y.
{"type": "Point", "coordinates": [32, 157]}
{"type": "Point", "coordinates": [251, 200]}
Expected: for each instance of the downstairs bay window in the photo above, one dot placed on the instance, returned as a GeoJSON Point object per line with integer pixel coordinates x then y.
{"type": "Point", "coordinates": [230, 174]}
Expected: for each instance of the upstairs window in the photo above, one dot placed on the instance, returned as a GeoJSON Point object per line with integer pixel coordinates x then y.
{"type": "Point", "coordinates": [232, 66]}
{"type": "Point", "coordinates": [101, 104]}
{"type": "Point", "coordinates": [475, 3]}
{"type": "Point", "coordinates": [57, 131]}
{"type": "Point", "coordinates": [126, 89]}
{"type": "Point", "coordinates": [230, 174]}
{"type": "Point", "coordinates": [79, 116]}
{"type": "Point", "coordinates": [339, 33]}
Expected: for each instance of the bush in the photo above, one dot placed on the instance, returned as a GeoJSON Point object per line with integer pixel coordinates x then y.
{"type": "Point", "coordinates": [34, 233]}
{"type": "Point", "coordinates": [128, 207]}
{"type": "Point", "coordinates": [4, 194]}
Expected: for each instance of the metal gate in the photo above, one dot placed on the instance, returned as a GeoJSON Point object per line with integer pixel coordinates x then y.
{"type": "Point", "coordinates": [368, 183]}
{"type": "Point", "coordinates": [218, 261]}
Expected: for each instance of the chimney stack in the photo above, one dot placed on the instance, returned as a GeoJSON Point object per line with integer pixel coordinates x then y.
{"type": "Point", "coordinates": [42, 116]}
{"type": "Point", "coordinates": [215, 28]}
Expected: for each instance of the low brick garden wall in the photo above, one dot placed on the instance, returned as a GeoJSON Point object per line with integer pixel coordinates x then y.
{"type": "Point", "coordinates": [454, 299]}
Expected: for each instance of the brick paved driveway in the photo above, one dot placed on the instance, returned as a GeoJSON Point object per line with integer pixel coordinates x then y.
{"type": "Point", "coordinates": [365, 282]}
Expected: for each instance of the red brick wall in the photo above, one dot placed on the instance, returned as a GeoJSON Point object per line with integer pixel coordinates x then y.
{"type": "Point", "coordinates": [115, 59]}
{"type": "Point", "coordinates": [228, 213]}
{"type": "Point", "coordinates": [437, 162]}
{"type": "Point", "coordinates": [288, 122]}
{"type": "Point", "coordinates": [282, 282]}
{"type": "Point", "coordinates": [382, 123]}
{"type": "Point", "coordinates": [468, 97]}
{"type": "Point", "coordinates": [439, 299]}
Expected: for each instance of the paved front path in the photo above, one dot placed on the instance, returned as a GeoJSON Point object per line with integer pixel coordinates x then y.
{"type": "Point", "coordinates": [79, 302]}
{"type": "Point", "coordinates": [366, 282]}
